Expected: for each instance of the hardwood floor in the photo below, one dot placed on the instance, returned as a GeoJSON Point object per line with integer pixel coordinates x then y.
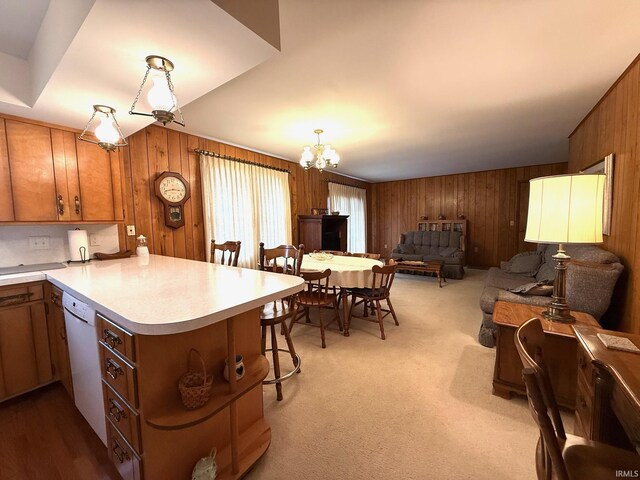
{"type": "Point", "coordinates": [44, 437]}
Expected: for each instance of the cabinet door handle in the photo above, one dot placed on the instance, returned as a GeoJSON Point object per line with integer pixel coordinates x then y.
{"type": "Point", "coordinates": [63, 334]}
{"type": "Point", "coordinates": [60, 205]}
{"type": "Point", "coordinates": [116, 411]}
{"type": "Point", "coordinates": [120, 453]}
{"type": "Point", "coordinates": [111, 339]}
{"type": "Point", "coordinates": [113, 369]}
{"type": "Point", "coordinates": [77, 201]}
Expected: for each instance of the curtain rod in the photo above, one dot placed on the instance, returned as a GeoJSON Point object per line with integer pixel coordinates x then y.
{"type": "Point", "coordinates": [345, 184]}
{"type": "Point", "coordinates": [240, 160]}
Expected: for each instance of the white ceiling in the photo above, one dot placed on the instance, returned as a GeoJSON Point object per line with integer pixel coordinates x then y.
{"type": "Point", "coordinates": [19, 25]}
{"type": "Point", "coordinates": [403, 89]}
{"type": "Point", "coordinates": [414, 88]}
{"type": "Point", "coordinates": [93, 52]}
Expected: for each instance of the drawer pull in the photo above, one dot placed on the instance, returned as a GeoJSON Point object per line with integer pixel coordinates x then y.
{"type": "Point", "coordinates": [111, 339]}
{"type": "Point", "coordinates": [13, 299]}
{"type": "Point", "coordinates": [116, 411]}
{"type": "Point", "coordinates": [113, 369]}
{"type": "Point", "coordinates": [120, 453]}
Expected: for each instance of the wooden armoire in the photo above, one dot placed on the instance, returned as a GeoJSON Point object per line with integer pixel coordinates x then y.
{"type": "Point", "coordinates": [323, 232]}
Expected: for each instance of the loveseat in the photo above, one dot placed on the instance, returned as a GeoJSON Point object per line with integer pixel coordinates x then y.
{"type": "Point", "coordinates": [592, 274]}
{"type": "Point", "coordinates": [423, 246]}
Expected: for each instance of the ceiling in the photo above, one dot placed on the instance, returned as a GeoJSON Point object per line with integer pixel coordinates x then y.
{"type": "Point", "coordinates": [415, 88]}
{"type": "Point", "coordinates": [402, 89]}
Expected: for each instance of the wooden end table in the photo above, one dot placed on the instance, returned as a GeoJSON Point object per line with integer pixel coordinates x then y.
{"type": "Point", "coordinates": [560, 351]}
{"type": "Point", "coordinates": [430, 266]}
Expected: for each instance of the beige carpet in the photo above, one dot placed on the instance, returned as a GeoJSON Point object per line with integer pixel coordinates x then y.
{"type": "Point", "coordinates": [415, 406]}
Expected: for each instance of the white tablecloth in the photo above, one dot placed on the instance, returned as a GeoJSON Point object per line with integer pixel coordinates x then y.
{"type": "Point", "coordinates": [349, 272]}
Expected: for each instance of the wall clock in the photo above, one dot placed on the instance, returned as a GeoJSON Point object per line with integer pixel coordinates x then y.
{"type": "Point", "coordinates": [173, 190]}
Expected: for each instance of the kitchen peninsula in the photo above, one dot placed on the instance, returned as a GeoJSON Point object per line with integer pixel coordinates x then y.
{"type": "Point", "coordinates": [150, 312]}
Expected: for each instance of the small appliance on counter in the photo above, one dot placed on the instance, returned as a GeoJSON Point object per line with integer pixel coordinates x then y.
{"type": "Point", "coordinates": [78, 245]}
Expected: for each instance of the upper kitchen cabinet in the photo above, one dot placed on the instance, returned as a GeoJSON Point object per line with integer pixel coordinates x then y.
{"type": "Point", "coordinates": [32, 176]}
{"type": "Point", "coordinates": [100, 183]}
{"type": "Point", "coordinates": [6, 199]}
{"type": "Point", "coordinates": [48, 175]}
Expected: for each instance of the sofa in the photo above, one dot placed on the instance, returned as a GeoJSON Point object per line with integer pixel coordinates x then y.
{"type": "Point", "coordinates": [592, 274]}
{"type": "Point", "coordinates": [423, 246]}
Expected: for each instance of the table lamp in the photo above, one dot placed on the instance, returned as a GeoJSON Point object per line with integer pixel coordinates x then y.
{"type": "Point", "coordinates": [564, 209]}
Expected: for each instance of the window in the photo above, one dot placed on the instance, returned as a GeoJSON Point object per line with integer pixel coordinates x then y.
{"type": "Point", "coordinates": [245, 202]}
{"type": "Point", "coordinates": [351, 201]}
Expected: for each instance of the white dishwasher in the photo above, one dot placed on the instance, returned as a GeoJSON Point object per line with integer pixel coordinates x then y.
{"type": "Point", "coordinates": [80, 320]}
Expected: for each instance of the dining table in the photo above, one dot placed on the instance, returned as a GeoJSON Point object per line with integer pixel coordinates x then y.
{"type": "Point", "coordinates": [346, 272]}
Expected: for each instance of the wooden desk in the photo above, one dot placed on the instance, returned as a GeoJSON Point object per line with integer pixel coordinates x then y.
{"type": "Point", "coordinates": [608, 401]}
{"type": "Point", "coordinates": [560, 351]}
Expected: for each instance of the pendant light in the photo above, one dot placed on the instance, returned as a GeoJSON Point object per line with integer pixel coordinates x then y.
{"type": "Point", "coordinates": [160, 95]}
{"type": "Point", "coordinates": [104, 130]}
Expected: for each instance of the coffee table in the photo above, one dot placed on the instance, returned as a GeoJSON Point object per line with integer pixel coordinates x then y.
{"type": "Point", "coordinates": [560, 351]}
{"type": "Point", "coordinates": [430, 266]}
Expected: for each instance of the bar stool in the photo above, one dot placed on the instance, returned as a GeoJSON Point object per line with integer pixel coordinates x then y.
{"type": "Point", "coordinates": [285, 259]}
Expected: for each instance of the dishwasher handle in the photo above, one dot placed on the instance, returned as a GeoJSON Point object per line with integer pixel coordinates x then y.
{"type": "Point", "coordinates": [75, 316]}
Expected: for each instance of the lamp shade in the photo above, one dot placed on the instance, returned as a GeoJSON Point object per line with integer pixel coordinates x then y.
{"type": "Point", "coordinates": [566, 209]}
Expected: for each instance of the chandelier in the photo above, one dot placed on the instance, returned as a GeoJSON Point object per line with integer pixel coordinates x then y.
{"type": "Point", "coordinates": [160, 97]}
{"type": "Point", "coordinates": [107, 133]}
{"type": "Point", "coordinates": [324, 155]}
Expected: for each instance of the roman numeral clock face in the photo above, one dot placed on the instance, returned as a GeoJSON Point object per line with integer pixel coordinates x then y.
{"type": "Point", "coordinates": [173, 190]}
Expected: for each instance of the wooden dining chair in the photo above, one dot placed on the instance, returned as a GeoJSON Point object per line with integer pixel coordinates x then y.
{"type": "Point", "coordinates": [560, 455]}
{"type": "Point", "coordinates": [371, 297]}
{"type": "Point", "coordinates": [317, 295]}
{"type": "Point", "coordinates": [230, 251]}
{"type": "Point", "coordinates": [373, 256]}
{"type": "Point", "coordinates": [285, 259]}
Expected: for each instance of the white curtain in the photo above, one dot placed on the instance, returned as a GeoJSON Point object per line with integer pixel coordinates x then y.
{"type": "Point", "coordinates": [351, 201]}
{"type": "Point", "coordinates": [247, 203]}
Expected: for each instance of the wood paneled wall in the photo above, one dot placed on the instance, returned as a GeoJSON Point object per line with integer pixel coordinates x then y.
{"type": "Point", "coordinates": [613, 126]}
{"type": "Point", "coordinates": [488, 200]}
{"type": "Point", "coordinates": [156, 149]}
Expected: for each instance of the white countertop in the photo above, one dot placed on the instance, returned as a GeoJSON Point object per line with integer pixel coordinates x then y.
{"type": "Point", "coordinates": [159, 295]}
{"type": "Point", "coordinates": [16, 278]}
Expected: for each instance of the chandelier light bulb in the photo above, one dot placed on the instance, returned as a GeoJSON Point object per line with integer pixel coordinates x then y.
{"type": "Point", "coordinates": [159, 95]}
{"type": "Point", "coordinates": [335, 160]}
{"type": "Point", "coordinates": [106, 132]}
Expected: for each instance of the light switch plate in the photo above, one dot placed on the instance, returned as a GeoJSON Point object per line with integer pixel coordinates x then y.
{"type": "Point", "coordinates": [131, 230]}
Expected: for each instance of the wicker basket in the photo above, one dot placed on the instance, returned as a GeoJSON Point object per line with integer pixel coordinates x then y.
{"type": "Point", "coordinates": [195, 386]}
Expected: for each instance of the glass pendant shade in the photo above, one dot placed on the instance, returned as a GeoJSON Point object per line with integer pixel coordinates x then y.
{"type": "Point", "coordinates": [103, 131]}
{"type": "Point", "coordinates": [159, 95]}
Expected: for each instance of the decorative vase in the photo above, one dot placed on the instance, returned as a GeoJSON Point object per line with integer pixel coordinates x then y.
{"type": "Point", "coordinates": [239, 368]}
{"type": "Point", "coordinates": [461, 216]}
{"type": "Point", "coordinates": [441, 217]}
{"type": "Point", "coordinates": [424, 217]}
{"type": "Point", "coordinates": [206, 468]}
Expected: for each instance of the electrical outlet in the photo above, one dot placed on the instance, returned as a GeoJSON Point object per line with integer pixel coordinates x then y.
{"type": "Point", "coordinates": [131, 230]}
{"type": "Point", "coordinates": [512, 223]}
{"type": "Point", "coordinates": [39, 243]}
{"type": "Point", "coordinates": [385, 245]}
{"type": "Point", "coordinates": [94, 240]}
{"type": "Point", "coordinates": [475, 249]}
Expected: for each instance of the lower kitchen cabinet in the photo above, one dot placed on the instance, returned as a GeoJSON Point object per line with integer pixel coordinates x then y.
{"type": "Point", "coordinates": [25, 354]}
{"type": "Point", "coordinates": [58, 338]}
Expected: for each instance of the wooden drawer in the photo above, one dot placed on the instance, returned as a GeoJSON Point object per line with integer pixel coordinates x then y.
{"type": "Point", "coordinates": [584, 365]}
{"type": "Point", "coordinates": [122, 415]}
{"type": "Point", "coordinates": [17, 295]}
{"type": "Point", "coordinates": [627, 415]}
{"type": "Point", "coordinates": [119, 374]}
{"type": "Point", "coordinates": [116, 338]}
{"type": "Point", "coordinates": [584, 406]}
{"type": "Point", "coordinates": [127, 463]}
